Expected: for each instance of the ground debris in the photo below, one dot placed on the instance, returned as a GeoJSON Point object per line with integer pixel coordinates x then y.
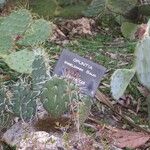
{"type": "Point", "coordinates": [25, 137]}
{"type": "Point", "coordinates": [67, 29]}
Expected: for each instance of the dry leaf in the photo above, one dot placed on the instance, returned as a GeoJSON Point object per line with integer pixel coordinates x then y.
{"type": "Point", "coordinates": [82, 27]}
{"type": "Point", "coordinates": [129, 139]}
{"type": "Point", "coordinates": [124, 138]}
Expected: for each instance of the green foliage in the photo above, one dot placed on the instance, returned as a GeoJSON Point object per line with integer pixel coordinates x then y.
{"type": "Point", "coordinates": [19, 30]}
{"type": "Point", "coordinates": [58, 8]}
{"type": "Point", "coordinates": [120, 80]}
{"type": "Point", "coordinates": [143, 61]}
{"type": "Point", "coordinates": [144, 8]}
{"type": "Point", "coordinates": [128, 30]}
{"type": "Point", "coordinates": [20, 61]}
{"type": "Point", "coordinates": [97, 7]}
{"type": "Point", "coordinates": [121, 7]}
{"type": "Point", "coordinates": [47, 8]}
{"type": "Point", "coordinates": [68, 2]}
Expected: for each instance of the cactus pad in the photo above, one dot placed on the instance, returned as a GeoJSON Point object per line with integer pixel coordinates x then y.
{"type": "Point", "coordinates": [56, 96]}
{"type": "Point", "coordinates": [16, 23]}
{"type": "Point", "coordinates": [120, 80]}
{"type": "Point", "coordinates": [143, 61]}
{"type": "Point", "coordinates": [6, 44]}
{"type": "Point", "coordinates": [39, 75]}
{"type": "Point", "coordinates": [23, 100]}
{"type": "Point", "coordinates": [38, 32]}
{"type": "Point", "coordinates": [20, 61]}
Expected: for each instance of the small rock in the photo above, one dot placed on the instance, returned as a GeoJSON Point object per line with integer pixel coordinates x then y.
{"type": "Point", "coordinates": [40, 141]}
{"type": "Point", "coordinates": [14, 135]}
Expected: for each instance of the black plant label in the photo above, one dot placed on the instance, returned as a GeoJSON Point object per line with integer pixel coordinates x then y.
{"type": "Point", "coordinates": [85, 73]}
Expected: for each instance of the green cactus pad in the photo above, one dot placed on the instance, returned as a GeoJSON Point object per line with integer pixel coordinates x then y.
{"type": "Point", "coordinates": [20, 61]}
{"type": "Point", "coordinates": [129, 29]}
{"type": "Point", "coordinates": [38, 32]}
{"type": "Point", "coordinates": [56, 96]}
{"type": "Point", "coordinates": [39, 75]}
{"type": "Point", "coordinates": [143, 61]}
{"type": "Point", "coordinates": [23, 101]}
{"type": "Point", "coordinates": [6, 44]}
{"type": "Point", "coordinates": [120, 80]}
{"type": "Point", "coordinates": [16, 23]}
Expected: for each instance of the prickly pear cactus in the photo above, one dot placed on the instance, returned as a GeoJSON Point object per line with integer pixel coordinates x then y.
{"type": "Point", "coordinates": [20, 29]}
{"type": "Point", "coordinates": [142, 62]}
{"type": "Point", "coordinates": [20, 61]}
{"type": "Point", "coordinates": [12, 26]}
{"type": "Point", "coordinates": [23, 100]}
{"type": "Point", "coordinates": [57, 95]}
{"type": "Point", "coordinates": [38, 33]}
